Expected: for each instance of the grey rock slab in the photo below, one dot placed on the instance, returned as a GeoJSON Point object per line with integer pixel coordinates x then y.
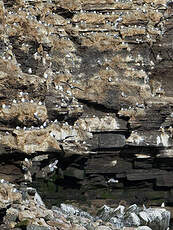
{"type": "Point", "coordinates": [74, 172]}
{"type": "Point", "coordinates": [36, 227]}
{"type": "Point", "coordinates": [133, 208]}
{"type": "Point", "coordinates": [165, 180]}
{"type": "Point", "coordinates": [134, 216]}
{"type": "Point", "coordinates": [143, 228]}
{"type": "Point", "coordinates": [90, 226]}
{"type": "Point", "coordinates": [71, 210]}
{"type": "Point", "coordinates": [102, 227]}
{"type": "Point", "coordinates": [106, 213]}
{"type": "Point", "coordinates": [107, 165]}
{"type": "Point", "coordinates": [111, 140]}
{"type": "Point", "coordinates": [117, 222]}
{"type": "Point", "coordinates": [132, 220]}
{"type": "Point", "coordinates": [142, 174]}
{"type": "Point", "coordinates": [159, 218]}
{"type": "Point", "coordinates": [144, 217]}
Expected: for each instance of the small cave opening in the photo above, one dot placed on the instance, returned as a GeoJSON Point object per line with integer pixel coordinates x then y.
{"type": "Point", "coordinates": [115, 175]}
{"type": "Point", "coordinates": [65, 13]}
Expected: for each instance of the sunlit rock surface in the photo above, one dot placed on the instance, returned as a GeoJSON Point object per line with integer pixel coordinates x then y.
{"type": "Point", "coordinates": [23, 208]}
{"type": "Point", "coordinates": [86, 101]}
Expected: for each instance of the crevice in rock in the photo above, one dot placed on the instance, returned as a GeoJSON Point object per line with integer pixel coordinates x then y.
{"type": "Point", "coordinates": [9, 3]}
{"type": "Point", "coordinates": [75, 39]}
{"type": "Point", "coordinates": [97, 106]}
{"type": "Point", "coordinates": [65, 13]}
{"type": "Point", "coordinates": [126, 133]}
{"type": "Point", "coordinates": [15, 156]}
{"type": "Point", "coordinates": [3, 213]}
{"type": "Point", "coordinates": [127, 175]}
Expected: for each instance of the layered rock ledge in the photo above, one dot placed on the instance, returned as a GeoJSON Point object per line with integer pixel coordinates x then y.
{"type": "Point", "coordinates": [86, 102]}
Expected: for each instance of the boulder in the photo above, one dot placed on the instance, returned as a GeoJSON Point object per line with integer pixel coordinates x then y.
{"type": "Point", "coordinates": [134, 216]}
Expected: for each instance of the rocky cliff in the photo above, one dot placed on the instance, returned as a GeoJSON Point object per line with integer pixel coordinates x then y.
{"type": "Point", "coordinates": [86, 101]}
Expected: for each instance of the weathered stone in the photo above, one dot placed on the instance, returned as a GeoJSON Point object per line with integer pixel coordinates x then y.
{"type": "Point", "coordinates": [60, 224]}
{"type": "Point", "coordinates": [25, 214]}
{"type": "Point", "coordinates": [111, 141]}
{"type": "Point", "coordinates": [132, 219]}
{"type": "Point", "coordinates": [142, 164]}
{"type": "Point", "coordinates": [11, 173]}
{"type": "Point", "coordinates": [8, 194]}
{"type": "Point", "coordinates": [12, 214]}
{"type": "Point", "coordinates": [36, 227]}
{"type": "Point", "coordinates": [107, 164]}
{"type": "Point", "coordinates": [69, 209]}
{"type": "Point", "coordinates": [106, 213]}
{"type": "Point", "coordinates": [102, 124]}
{"type": "Point", "coordinates": [103, 228]}
{"type": "Point", "coordinates": [165, 180]}
{"type": "Point", "coordinates": [28, 214]}
{"type": "Point", "coordinates": [24, 114]}
{"type": "Point", "coordinates": [145, 174]}
{"type": "Point", "coordinates": [133, 216]}
{"type": "Point", "coordinates": [89, 78]}
{"type": "Point", "coordinates": [74, 172]}
{"type": "Point", "coordinates": [78, 227]}
{"type": "Point", "coordinates": [143, 228]}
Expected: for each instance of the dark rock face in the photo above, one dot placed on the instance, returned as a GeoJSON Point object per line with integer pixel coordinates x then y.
{"type": "Point", "coordinates": [111, 141]}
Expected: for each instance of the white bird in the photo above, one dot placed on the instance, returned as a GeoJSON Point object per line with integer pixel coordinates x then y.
{"type": "Point", "coordinates": [144, 207]}
{"type": "Point", "coordinates": [29, 70]}
{"type": "Point", "coordinates": [163, 205]}
{"type": "Point", "coordinates": [114, 162]}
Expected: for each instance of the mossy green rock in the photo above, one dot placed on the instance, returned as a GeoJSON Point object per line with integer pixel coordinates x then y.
{"type": "Point", "coordinates": [22, 224]}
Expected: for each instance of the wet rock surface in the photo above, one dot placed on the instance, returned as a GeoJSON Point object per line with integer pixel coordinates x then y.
{"type": "Point", "coordinates": [86, 102]}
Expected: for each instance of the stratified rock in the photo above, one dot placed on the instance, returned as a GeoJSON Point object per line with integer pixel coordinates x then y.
{"type": "Point", "coordinates": [86, 94]}
{"type": "Point", "coordinates": [111, 141]}
{"type": "Point", "coordinates": [74, 172]}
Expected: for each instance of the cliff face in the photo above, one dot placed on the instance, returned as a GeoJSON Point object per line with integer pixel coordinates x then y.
{"type": "Point", "coordinates": [86, 86]}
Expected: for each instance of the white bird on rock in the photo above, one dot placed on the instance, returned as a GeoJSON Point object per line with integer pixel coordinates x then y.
{"type": "Point", "coordinates": [163, 205]}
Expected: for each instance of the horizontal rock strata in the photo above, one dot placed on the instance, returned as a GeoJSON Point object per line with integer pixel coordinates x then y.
{"type": "Point", "coordinates": [86, 102]}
